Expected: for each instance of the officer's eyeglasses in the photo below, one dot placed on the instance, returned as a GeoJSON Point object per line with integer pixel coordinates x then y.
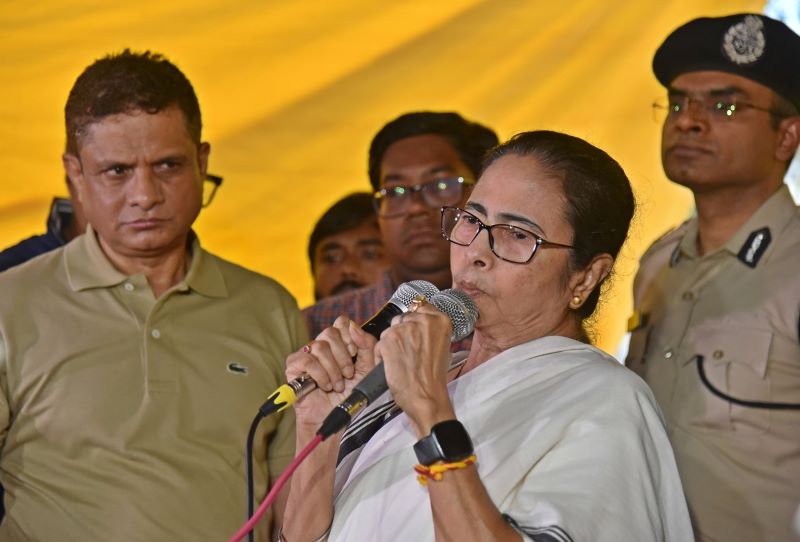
{"type": "Point", "coordinates": [715, 108]}
{"type": "Point", "coordinates": [507, 242]}
{"type": "Point", "coordinates": [395, 201]}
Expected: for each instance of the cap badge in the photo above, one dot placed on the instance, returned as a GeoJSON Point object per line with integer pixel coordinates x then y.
{"type": "Point", "coordinates": [744, 42]}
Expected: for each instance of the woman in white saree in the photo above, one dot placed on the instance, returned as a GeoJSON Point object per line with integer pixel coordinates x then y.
{"type": "Point", "coordinates": [533, 434]}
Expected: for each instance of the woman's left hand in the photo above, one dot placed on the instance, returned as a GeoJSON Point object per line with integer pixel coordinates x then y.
{"type": "Point", "coordinates": [416, 354]}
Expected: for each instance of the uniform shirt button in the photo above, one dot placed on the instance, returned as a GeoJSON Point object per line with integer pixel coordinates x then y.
{"type": "Point", "coordinates": [718, 354]}
{"type": "Point", "coordinates": [156, 334]}
{"type": "Point", "coordinates": [668, 353]}
{"type": "Point", "coordinates": [128, 286]}
{"type": "Point", "coordinates": [688, 296]}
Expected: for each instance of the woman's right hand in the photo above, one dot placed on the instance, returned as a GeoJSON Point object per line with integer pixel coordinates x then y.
{"type": "Point", "coordinates": [328, 359]}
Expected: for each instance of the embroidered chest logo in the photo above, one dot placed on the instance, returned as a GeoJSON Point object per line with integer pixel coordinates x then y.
{"type": "Point", "coordinates": [744, 42]}
{"type": "Point", "coordinates": [237, 368]}
{"type": "Point", "coordinates": [755, 246]}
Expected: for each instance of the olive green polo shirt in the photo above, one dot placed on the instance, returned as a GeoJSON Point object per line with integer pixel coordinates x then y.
{"type": "Point", "coordinates": [739, 308]}
{"type": "Point", "coordinates": [125, 417]}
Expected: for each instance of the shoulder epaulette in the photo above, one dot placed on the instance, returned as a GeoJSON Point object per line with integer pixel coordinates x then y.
{"type": "Point", "coordinates": [671, 237]}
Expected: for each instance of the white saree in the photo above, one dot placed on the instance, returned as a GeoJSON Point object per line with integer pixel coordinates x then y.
{"type": "Point", "coordinates": [570, 444]}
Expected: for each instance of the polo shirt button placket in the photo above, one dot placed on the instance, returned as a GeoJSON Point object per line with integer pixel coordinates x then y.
{"type": "Point", "coordinates": [155, 333]}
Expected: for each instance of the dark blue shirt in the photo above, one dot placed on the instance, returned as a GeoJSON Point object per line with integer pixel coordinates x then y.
{"type": "Point", "coordinates": [58, 220]}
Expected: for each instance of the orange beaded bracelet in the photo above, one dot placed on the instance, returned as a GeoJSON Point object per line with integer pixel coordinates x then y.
{"type": "Point", "coordinates": [434, 472]}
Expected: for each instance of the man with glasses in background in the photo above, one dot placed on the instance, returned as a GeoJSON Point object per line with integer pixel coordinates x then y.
{"type": "Point", "coordinates": [66, 221]}
{"type": "Point", "coordinates": [131, 358]}
{"type": "Point", "coordinates": [717, 301]}
{"type": "Point", "coordinates": [418, 163]}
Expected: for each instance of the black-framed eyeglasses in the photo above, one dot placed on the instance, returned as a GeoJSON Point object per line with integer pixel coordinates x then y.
{"type": "Point", "coordinates": [395, 201]}
{"type": "Point", "coordinates": [507, 242]}
{"type": "Point", "coordinates": [210, 185]}
{"type": "Point", "coordinates": [714, 107]}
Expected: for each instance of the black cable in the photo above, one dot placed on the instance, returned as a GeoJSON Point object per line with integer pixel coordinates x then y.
{"type": "Point", "coordinates": [741, 402]}
{"type": "Point", "coordinates": [251, 435]}
{"type": "Point", "coordinates": [266, 409]}
{"type": "Point", "coordinates": [335, 422]}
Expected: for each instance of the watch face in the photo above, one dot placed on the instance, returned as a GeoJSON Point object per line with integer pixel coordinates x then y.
{"type": "Point", "coordinates": [453, 440]}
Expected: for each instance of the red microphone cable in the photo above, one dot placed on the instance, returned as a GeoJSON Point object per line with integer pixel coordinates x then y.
{"type": "Point", "coordinates": [273, 493]}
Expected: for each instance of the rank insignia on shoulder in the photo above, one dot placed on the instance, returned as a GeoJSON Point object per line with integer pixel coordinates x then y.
{"type": "Point", "coordinates": [637, 320]}
{"type": "Point", "coordinates": [755, 247]}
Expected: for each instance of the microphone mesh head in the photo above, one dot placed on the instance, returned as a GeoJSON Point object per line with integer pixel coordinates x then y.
{"type": "Point", "coordinates": [424, 288]}
{"type": "Point", "coordinates": [408, 291]}
{"type": "Point", "coordinates": [460, 308]}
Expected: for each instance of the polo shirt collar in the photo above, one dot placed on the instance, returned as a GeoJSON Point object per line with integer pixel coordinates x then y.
{"type": "Point", "coordinates": [204, 275]}
{"type": "Point", "coordinates": [88, 267]}
{"type": "Point", "coordinates": [751, 241]}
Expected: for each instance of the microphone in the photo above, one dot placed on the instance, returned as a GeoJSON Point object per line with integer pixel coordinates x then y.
{"type": "Point", "coordinates": [289, 393]}
{"type": "Point", "coordinates": [398, 304]}
{"type": "Point", "coordinates": [463, 314]}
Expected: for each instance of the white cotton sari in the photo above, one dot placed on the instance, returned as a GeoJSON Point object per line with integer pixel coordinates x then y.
{"type": "Point", "coordinates": [570, 444]}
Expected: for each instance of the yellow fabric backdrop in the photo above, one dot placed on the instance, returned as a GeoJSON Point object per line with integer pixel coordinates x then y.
{"type": "Point", "coordinates": [292, 93]}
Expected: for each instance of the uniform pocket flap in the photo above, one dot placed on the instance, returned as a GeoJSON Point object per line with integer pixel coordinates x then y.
{"type": "Point", "coordinates": [745, 346]}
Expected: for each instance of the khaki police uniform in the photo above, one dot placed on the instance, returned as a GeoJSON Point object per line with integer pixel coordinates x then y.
{"type": "Point", "coordinates": [124, 417]}
{"type": "Point", "coordinates": [739, 309]}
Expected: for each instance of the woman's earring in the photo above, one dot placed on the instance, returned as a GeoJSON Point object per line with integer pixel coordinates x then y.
{"type": "Point", "coordinates": [576, 300]}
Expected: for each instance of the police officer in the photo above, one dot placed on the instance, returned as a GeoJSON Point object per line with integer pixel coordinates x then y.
{"type": "Point", "coordinates": [717, 301]}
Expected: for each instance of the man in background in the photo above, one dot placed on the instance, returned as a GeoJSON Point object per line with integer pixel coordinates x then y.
{"type": "Point", "coordinates": [132, 360]}
{"type": "Point", "coordinates": [345, 248]}
{"type": "Point", "coordinates": [717, 301]}
{"type": "Point", "coordinates": [418, 163]}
